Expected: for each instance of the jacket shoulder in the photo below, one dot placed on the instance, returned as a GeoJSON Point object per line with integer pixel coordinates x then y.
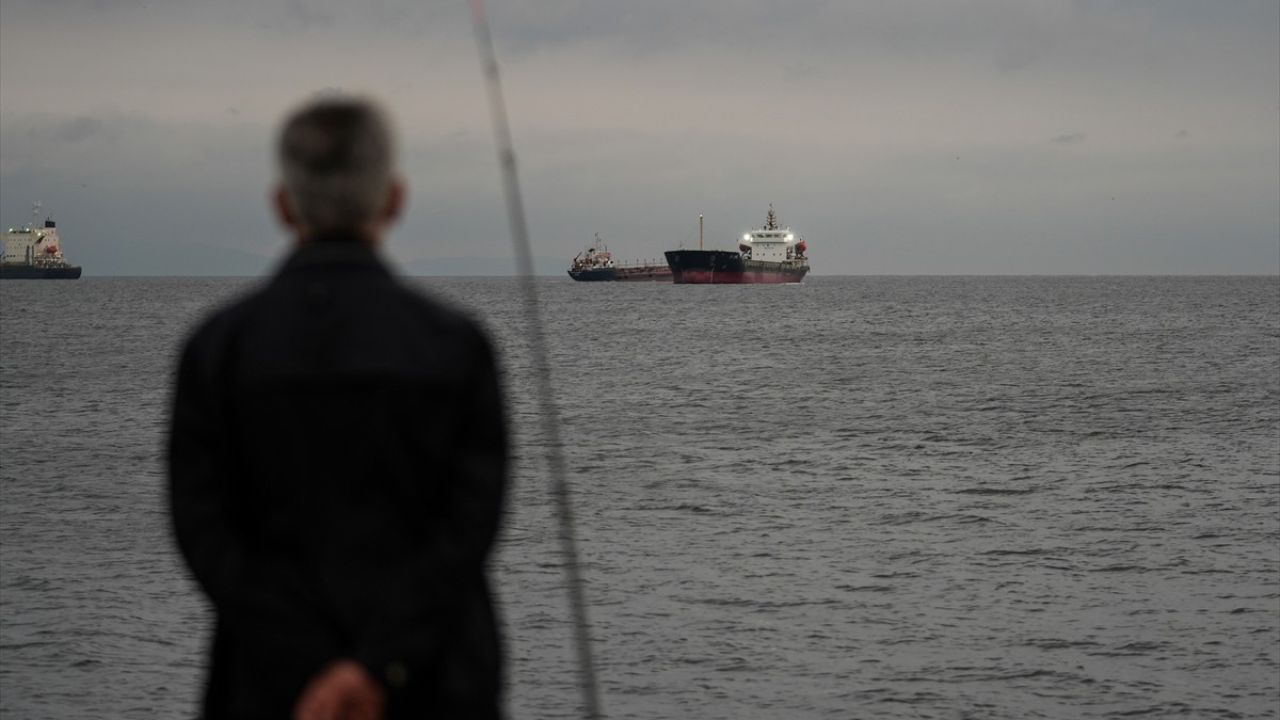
{"type": "Point", "coordinates": [218, 327]}
{"type": "Point", "coordinates": [441, 316]}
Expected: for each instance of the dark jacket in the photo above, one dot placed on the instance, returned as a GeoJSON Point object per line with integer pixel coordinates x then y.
{"type": "Point", "coordinates": [337, 461]}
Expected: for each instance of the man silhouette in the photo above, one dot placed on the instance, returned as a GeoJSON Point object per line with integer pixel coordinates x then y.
{"type": "Point", "coordinates": [337, 462]}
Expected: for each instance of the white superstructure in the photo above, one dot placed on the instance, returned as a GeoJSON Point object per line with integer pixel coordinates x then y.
{"type": "Point", "coordinates": [771, 243]}
{"type": "Point", "coordinates": [34, 246]}
{"type": "Point", "coordinates": [595, 257]}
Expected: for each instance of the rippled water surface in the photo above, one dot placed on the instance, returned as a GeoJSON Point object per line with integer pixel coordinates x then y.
{"type": "Point", "coordinates": [852, 498]}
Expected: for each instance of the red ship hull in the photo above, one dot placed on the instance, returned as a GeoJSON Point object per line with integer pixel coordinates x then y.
{"type": "Point", "coordinates": [711, 277]}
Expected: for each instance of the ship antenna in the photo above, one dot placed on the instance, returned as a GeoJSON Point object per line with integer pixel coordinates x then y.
{"type": "Point", "coordinates": [538, 349]}
{"type": "Point", "coordinates": [35, 215]}
{"type": "Point", "coordinates": [699, 232]}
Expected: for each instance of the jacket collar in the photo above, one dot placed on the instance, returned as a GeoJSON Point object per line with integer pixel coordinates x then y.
{"type": "Point", "coordinates": [331, 251]}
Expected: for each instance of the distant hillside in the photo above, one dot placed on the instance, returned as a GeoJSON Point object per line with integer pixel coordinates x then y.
{"type": "Point", "coordinates": [142, 257]}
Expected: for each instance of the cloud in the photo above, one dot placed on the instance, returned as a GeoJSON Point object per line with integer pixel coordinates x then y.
{"type": "Point", "coordinates": [66, 130]}
{"type": "Point", "coordinates": [301, 16]}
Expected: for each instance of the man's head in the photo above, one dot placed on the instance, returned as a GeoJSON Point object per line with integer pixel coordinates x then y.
{"type": "Point", "coordinates": [337, 170]}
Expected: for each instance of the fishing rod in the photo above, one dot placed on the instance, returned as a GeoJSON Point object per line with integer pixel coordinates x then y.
{"type": "Point", "coordinates": [542, 370]}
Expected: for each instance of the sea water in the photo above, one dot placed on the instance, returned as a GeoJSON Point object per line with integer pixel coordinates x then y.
{"type": "Point", "coordinates": [858, 497]}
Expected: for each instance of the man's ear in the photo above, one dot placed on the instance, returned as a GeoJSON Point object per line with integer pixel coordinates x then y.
{"type": "Point", "coordinates": [283, 206]}
{"type": "Point", "coordinates": [397, 195]}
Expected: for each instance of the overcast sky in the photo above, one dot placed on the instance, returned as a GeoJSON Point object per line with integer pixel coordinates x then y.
{"type": "Point", "coordinates": [930, 136]}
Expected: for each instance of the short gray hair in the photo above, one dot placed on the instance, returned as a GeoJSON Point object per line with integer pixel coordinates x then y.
{"type": "Point", "coordinates": [336, 159]}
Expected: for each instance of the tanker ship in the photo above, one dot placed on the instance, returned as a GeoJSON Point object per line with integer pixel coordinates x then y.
{"type": "Point", "coordinates": [771, 254]}
{"type": "Point", "coordinates": [596, 264]}
{"type": "Point", "coordinates": [33, 253]}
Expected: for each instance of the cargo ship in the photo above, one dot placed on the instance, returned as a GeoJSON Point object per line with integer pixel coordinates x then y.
{"type": "Point", "coordinates": [35, 253]}
{"type": "Point", "coordinates": [771, 254]}
{"type": "Point", "coordinates": [596, 264]}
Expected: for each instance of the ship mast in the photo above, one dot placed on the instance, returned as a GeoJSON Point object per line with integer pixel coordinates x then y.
{"type": "Point", "coordinates": [770, 222]}
{"type": "Point", "coordinates": [699, 232]}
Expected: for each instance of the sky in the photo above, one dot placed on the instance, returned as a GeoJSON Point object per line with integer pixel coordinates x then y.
{"type": "Point", "coordinates": [913, 137]}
